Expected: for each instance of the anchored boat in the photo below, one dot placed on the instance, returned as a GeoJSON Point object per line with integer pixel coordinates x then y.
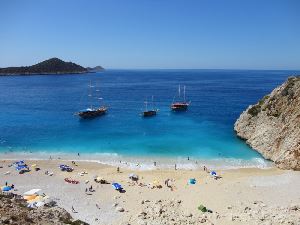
{"type": "Point", "coordinates": [180, 105]}
{"type": "Point", "coordinates": [92, 111]}
{"type": "Point", "coordinates": [151, 112]}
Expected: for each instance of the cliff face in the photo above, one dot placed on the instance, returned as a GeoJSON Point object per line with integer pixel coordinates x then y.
{"type": "Point", "coordinates": [13, 210]}
{"type": "Point", "coordinates": [272, 126]}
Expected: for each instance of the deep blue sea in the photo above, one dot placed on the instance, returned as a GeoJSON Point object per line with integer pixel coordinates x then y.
{"type": "Point", "coordinates": [37, 115]}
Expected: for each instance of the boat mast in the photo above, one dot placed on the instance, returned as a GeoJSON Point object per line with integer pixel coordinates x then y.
{"type": "Point", "coordinates": [184, 93]}
{"type": "Point", "coordinates": [98, 96]}
{"type": "Point", "coordinates": [152, 103]}
{"type": "Point", "coordinates": [146, 105]}
{"type": "Point", "coordinates": [90, 95]}
{"type": "Point", "coordinates": [179, 90]}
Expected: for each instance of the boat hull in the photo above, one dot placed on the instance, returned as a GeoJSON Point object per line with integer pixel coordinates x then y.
{"type": "Point", "coordinates": [92, 113]}
{"type": "Point", "coordinates": [149, 113]}
{"type": "Point", "coordinates": [179, 106]}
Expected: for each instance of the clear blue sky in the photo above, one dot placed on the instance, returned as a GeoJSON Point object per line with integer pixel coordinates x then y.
{"type": "Point", "coordinates": [249, 34]}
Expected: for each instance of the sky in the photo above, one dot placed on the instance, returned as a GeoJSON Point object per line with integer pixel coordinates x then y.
{"type": "Point", "coordinates": [152, 34]}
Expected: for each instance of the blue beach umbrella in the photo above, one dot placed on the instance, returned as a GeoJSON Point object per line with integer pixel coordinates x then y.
{"type": "Point", "coordinates": [192, 181]}
{"type": "Point", "coordinates": [117, 186]}
{"type": "Point", "coordinates": [20, 167]}
{"type": "Point", "coordinates": [213, 173]}
{"type": "Point", "coordinates": [6, 188]}
{"type": "Point", "coordinates": [21, 162]}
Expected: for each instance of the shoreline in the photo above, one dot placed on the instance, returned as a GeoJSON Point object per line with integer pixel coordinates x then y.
{"type": "Point", "coordinates": [144, 162]}
{"type": "Point", "coordinates": [265, 191]}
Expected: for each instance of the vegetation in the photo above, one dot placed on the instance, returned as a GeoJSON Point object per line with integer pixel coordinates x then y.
{"type": "Point", "coordinates": [50, 66]}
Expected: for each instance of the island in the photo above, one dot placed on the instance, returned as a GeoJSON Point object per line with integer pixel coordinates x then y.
{"type": "Point", "coordinates": [50, 66]}
{"type": "Point", "coordinates": [272, 126]}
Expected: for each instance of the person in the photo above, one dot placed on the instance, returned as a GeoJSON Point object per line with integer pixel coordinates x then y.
{"type": "Point", "coordinates": [204, 168]}
{"type": "Point", "coordinates": [167, 182]}
{"type": "Point", "coordinates": [6, 183]}
{"type": "Point", "coordinates": [175, 166]}
{"type": "Point", "coordinates": [188, 158]}
{"type": "Point", "coordinates": [86, 190]}
{"type": "Point", "coordinates": [98, 207]}
{"type": "Point", "coordinates": [73, 210]}
{"type": "Point", "coordinates": [12, 186]}
{"type": "Point", "coordinates": [78, 154]}
{"type": "Point", "coordinates": [154, 163]}
{"type": "Point", "coordinates": [118, 169]}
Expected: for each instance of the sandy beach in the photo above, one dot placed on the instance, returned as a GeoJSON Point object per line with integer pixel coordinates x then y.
{"type": "Point", "coordinates": [240, 196]}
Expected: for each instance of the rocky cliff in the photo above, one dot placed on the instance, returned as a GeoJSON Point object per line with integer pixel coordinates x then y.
{"type": "Point", "coordinates": [272, 126]}
{"type": "Point", "coordinates": [13, 211]}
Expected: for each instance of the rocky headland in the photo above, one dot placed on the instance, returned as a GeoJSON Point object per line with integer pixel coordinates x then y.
{"type": "Point", "coordinates": [50, 66]}
{"type": "Point", "coordinates": [272, 126]}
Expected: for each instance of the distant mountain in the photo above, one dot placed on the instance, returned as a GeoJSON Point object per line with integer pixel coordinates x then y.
{"type": "Point", "coordinates": [95, 69]}
{"type": "Point", "coordinates": [50, 66]}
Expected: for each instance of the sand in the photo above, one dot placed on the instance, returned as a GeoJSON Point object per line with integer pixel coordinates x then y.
{"type": "Point", "coordinates": [241, 196]}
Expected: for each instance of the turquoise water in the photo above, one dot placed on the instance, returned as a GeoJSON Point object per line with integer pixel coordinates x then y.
{"type": "Point", "coordinates": [37, 118]}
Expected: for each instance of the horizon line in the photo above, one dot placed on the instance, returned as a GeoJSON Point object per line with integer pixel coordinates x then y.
{"type": "Point", "coordinates": [297, 70]}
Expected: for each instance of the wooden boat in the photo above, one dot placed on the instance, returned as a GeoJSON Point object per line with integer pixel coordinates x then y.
{"type": "Point", "coordinates": [180, 105]}
{"type": "Point", "coordinates": [92, 112]}
{"type": "Point", "coordinates": [151, 112]}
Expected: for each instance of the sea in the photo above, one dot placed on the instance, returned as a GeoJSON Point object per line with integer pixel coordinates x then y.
{"type": "Point", "coordinates": [38, 117]}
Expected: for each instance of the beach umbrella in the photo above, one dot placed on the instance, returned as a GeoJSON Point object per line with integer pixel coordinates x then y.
{"type": "Point", "coordinates": [202, 208]}
{"type": "Point", "coordinates": [213, 173]}
{"type": "Point", "coordinates": [36, 199]}
{"type": "Point", "coordinates": [117, 186]}
{"type": "Point", "coordinates": [192, 181]}
{"type": "Point", "coordinates": [6, 188]}
{"type": "Point", "coordinates": [32, 192]}
{"type": "Point", "coordinates": [133, 176]}
{"type": "Point", "coordinates": [29, 197]}
{"type": "Point", "coordinates": [20, 167]}
{"type": "Point", "coordinates": [21, 162]}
